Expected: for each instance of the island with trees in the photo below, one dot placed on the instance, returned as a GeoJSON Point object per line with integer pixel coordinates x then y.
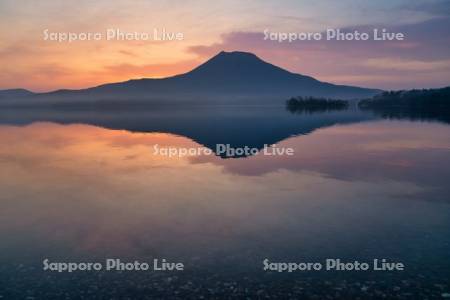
{"type": "Point", "coordinates": [313, 104]}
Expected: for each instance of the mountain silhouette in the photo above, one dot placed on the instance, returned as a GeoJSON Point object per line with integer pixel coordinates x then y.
{"type": "Point", "coordinates": [228, 75]}
{"type": "Point", "coordinates": [235, 73]}
{"type": "Point", "coordinates": [15, 93]}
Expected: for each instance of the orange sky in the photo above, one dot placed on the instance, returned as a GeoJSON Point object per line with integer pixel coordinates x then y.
{"type": "Point", "coordinates": [31, 62]}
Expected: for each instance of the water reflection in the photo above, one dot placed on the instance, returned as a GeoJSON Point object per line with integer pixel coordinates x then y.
{"type": "Point", "coordinates": [238, 126]}
{"type": "Point", "coordinates": [372, 152]}
{"type": "Point", "coordinates": [357, 191]}
{"type": "Point", "coordinates": [91, 189]}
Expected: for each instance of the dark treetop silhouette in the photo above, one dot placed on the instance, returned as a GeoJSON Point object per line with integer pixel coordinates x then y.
{"type": "Point", "coordinates": [431, 104]}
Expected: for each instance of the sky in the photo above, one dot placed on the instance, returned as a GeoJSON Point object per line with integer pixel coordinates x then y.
{"type": "Point", "coordinates": [421, 60]}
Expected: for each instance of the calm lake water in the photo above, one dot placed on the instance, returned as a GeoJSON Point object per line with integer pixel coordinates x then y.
{"type": "Point", "coordinates": [86, 187]}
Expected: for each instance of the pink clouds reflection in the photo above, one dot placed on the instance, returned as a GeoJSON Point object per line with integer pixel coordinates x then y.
{"type": "Point", "coordinates": [379, 151]}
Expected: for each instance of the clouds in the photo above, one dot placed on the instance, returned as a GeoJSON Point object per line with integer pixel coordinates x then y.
{"type": "Point", "coordinates": [408, 65]}
{"type": "Point", "coordinates": [419, 61]}
{"type": "Point", "coordinates": [157, 70]}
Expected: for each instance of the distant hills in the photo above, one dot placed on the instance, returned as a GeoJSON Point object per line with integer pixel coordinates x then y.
{"type": "Point", "coordinates": [15, 93]}
{"type": "Point", "coordinates": [226, 75]}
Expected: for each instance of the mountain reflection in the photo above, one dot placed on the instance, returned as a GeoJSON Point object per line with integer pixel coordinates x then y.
{"type": "Point", "coordinates": [238, 126]}
{"type": "Point", "coordinates": [397, 151]}
{"type": "Point", "coordinates": [372, 151]}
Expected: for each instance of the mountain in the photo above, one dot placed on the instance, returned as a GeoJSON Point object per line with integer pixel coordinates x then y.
{"type": "Point", "coordinates": [235, 73]}
{"type": "Point", "coordinates": [227, 77]}
{"type": "Point", "coordinates": [15, 93]}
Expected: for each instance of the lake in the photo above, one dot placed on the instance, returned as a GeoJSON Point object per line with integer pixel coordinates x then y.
{"type": "Point", "coordinates": [86, 186]}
